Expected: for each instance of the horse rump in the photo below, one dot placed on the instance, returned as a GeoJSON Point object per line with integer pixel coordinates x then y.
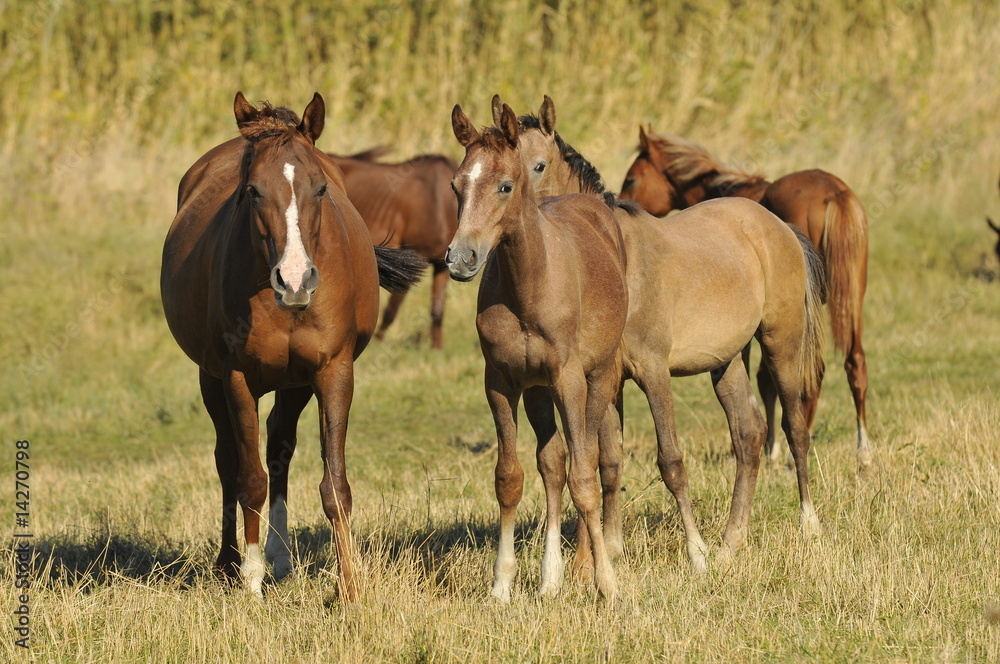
{"type": "Point", "coordinates": [398, 269]}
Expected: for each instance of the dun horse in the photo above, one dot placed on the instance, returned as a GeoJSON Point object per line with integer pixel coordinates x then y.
{"type": "Point", "coordinates": [410, 205]}
{"type": "Point", "coordinates": [671, 173]}
{"type": "Point", "coordinates": [701, 285]}
{"type": "Point", "coordinates": [552, 306]}
{"type": "Point", "coordinates": [270, 283]}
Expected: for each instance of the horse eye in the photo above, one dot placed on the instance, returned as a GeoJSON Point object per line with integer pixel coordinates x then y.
{"type": "Point", "coordinates": [506, 188]}
{"type": "Point", "coordinates": [628, 183]}
{"type": "Point", "coordinates": [252, 191]}
{"type": "Point", "coordinates": [539, 167]}
{"type": "Point", "coordinates": [322, 192]}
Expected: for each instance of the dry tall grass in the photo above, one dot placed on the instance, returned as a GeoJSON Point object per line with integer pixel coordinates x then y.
{"type": "Point", "coordinates": [104, 105]}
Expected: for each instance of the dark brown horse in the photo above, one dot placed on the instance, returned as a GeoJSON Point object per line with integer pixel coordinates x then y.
{"type": "Point", "coordinates": [270, 283]}
{"type": "Point", "coordinates": [410, 205]}
{"type": "Point", "coordinates": [552, 306]}
{"type": "Point", "coordinates": [671, 173]}
{"type": "Point", "coordinates": [694, 306]}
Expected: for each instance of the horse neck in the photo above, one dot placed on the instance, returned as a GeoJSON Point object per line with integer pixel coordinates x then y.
{"type": "Point", "coordinates": [564, 180]}
{"type": "Point", "coordinates": [521, 255]}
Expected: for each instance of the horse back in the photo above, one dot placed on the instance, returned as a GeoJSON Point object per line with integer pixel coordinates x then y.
{"type": "Point", "coordinates": [801, 199]}
{"type": "Point", "coordinates": [409, 204]}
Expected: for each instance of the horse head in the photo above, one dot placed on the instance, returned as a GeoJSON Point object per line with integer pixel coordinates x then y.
{"type": "Point", "coordinates": [284, 190]}
{"type": "Point", "coordinates": [489, 185]}
{"type": "Point", "coordinates": [647, 182]}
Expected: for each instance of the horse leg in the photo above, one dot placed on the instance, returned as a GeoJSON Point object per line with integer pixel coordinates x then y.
{"type": "Point", "coordinates": [437, 302]}
{"type": "Point", "coordinates": [610, 449]}
{"type": "Point", "coordinates": [251, 480]}
{"type": "Point", "coordinates": [389, 315]}
{"type": "Point", "coordinates": [551, 458]}
{"type": "Point", "coordinates": [656, 387]}
{"type": "Point", "coordinates": [508, 477]}
{"type": "Point", "coordinates": [227, 565]}
{"type": "Point", "coordinates": [769, 395]}
{"type": "Point", "coordinates": [334, 387]}
{"type": "Point", "coordinates": [610, 444]}
{"type": "Point", "coordinates": [583, 403]}
{"type": "Point", "coordinates": [857, 378]}
{"type": "Point", "coordinates": [747, 430]}
{"type": "Point", "coordinates": [781, 354]}
{"type": "Point", "coordinates": [281, 440]}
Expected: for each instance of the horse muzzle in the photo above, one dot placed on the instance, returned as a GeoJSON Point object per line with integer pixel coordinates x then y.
{"type": "Point", "coordinates": [464, 263]}
{"type": "Point", "coordinates": [295, 294]}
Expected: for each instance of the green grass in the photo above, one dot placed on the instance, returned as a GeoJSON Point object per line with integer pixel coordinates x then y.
{"type": "Point", "coordinates": [103, 106]}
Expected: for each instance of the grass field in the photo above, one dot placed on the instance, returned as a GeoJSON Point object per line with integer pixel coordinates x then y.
{"type": "Point", "coordinates": [103, 106]}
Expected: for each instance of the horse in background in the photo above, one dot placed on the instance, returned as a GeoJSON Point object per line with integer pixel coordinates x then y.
{"type": "Point", "coordinates": [407, 204]}
{"type": "Point", "coordinates": [671, 173]}
{"type": "Point", "coordinates": [269, 282]}
{"type": "Point", "coordinates": [694, 306]}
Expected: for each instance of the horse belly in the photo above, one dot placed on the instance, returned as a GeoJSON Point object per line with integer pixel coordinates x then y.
{"type": "Point", "coordinates": [706, 333]}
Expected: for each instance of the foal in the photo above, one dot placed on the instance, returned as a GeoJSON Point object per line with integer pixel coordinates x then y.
{"type": "Point", "coordinates": [702, 284]}
{"type": "Point", "coordinates": [552, 307]}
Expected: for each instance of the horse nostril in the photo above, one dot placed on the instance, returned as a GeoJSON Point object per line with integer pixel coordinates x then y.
{"type": "Point", "coordinates": [472, 258]}
{"type": "Point", "coordinates": [311, 278]}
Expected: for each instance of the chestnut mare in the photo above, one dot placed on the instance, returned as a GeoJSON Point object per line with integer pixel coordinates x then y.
{"type": "Point", "coordinates": [270, 283]}
{"type": "Point", "coordinates": [410, 205]}
{"type": "Point", "coordinates": [671, 173]}
{"type": "Point", "coordinates": [696, 299]}
{"type": "Point", "coordinates": [552, 307]}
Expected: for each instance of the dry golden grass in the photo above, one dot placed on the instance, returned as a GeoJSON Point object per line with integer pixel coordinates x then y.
{"type": "Point", "coordinates": [104, 105]}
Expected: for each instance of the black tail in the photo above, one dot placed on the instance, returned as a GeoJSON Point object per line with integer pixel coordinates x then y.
{"type": "Point", "coordinates": [398, 269]}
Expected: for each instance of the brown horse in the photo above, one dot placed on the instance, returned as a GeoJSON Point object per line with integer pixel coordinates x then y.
{"type": "Point", "coordinates": [696, 299]}
{"type": "Point", "coordinates": [552, 306]}
{"type": "Point", "coordinates": [671, 173]}
{"type": "Point", "coordinates": [270, 283]}
{"type": "Point", "coordinates": [410, 205]}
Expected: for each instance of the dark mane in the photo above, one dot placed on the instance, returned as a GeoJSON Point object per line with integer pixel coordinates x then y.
{"type": "Point", "coordinates": [270, 122]}
{"type": "Point", "coordinates": [689, 163]}
{"type": "Point", "coordinates": [590, 178]}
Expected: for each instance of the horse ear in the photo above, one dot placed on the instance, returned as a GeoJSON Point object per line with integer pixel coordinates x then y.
{"type": "Point", "coordinates": [497, 106]}
{"type": "Point", "coordinates": [992, 225]}
{"type": "Point", "coordinates": [547, 116]}
{"type": "Point", "coordinates": [508, 125]}
{"type": "Point", "coordinates": [464, 131]}
{"type": "Point", "coordinates": [243, 110]}
{"type": "Point", "coordinates": [313, 118]}
{"type": "Point", "coordinates": [643, 140]}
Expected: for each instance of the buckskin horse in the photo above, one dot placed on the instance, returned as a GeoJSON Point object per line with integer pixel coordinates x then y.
{"type": "Point", "coordinates": [672, 173]}
{"type": "Point", "coordinates": [409, 204]}
{"type": "Point", "coordinates": [270, 283]}
{"type": "Point", "coordinates": [701, 284]}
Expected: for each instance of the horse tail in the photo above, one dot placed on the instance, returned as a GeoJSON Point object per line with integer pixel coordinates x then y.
{"type": "Point", "coordinates": [813, 335]}
{"type": "Point", "coordinates": [398, 269]}
{"type": "Point", "coordinates": [845, 248]}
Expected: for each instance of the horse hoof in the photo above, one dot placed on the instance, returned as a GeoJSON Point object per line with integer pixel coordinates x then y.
{"type": "Point", "coordinates": [501, 592]}
{"type": "Point", "coordinates": [549, 589]}
{"type": "Point", "coordinates": [282, 569]}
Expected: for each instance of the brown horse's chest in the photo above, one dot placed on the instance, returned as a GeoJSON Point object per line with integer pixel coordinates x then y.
{"type": "Point", "coordinates": [519, 350]}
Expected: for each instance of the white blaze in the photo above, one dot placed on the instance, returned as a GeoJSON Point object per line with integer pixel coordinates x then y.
{"type": "Point", "coordinates": [294, 261]}
{"type": "Point", "coordinates": [477, 169]}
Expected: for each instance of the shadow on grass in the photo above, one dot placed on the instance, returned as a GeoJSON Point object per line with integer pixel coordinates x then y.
{"type": "Point", "coordinates": [101, 559]}
{"type": "Point", "coordinates": [105, 558]}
